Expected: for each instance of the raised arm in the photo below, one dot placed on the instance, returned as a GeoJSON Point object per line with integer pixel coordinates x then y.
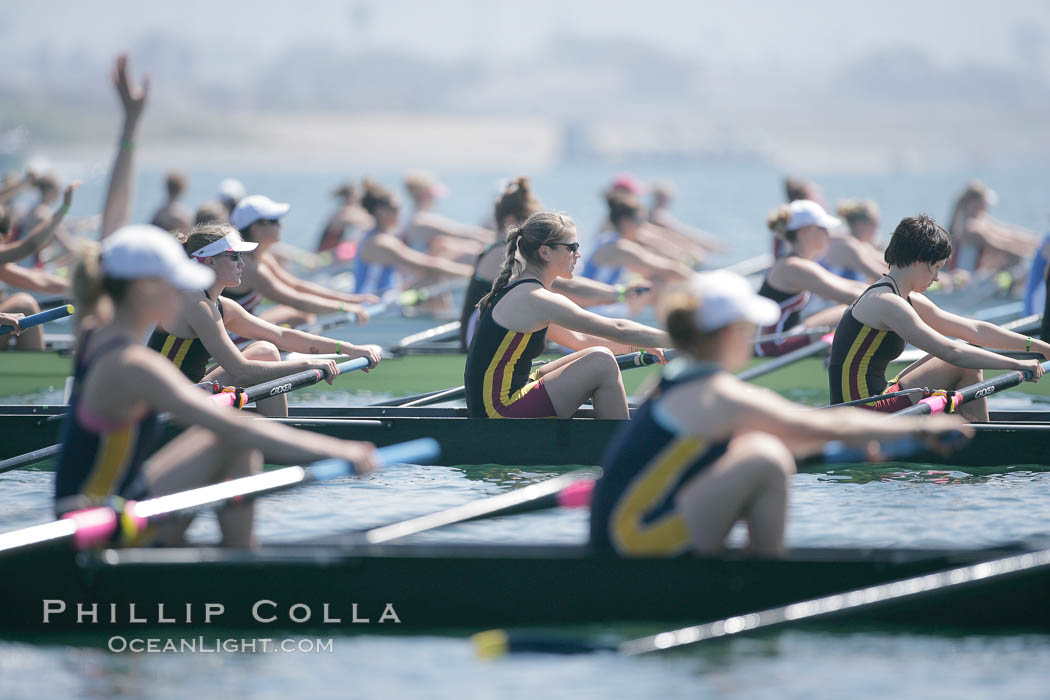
{"type": "Point", "coordinates": [798, 273]}
{"type": "Point", "coordinates": [9, 191]}
{"type": "Point", "coordinates": [41, 234]}
{"type": "Point", "coordinates": [117, 209]}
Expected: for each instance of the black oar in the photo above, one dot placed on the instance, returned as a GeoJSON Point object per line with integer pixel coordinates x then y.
{"type": "Point", "coordinates": [787, 359]}
{"type": "Point", "coordinates": [42, 317]}
{"type": "Point", "coordinates": [797, 333]}
{"type": "Point", "coordinates": [949, 401]}
{"type": "Point", "coordinates": [497, 642]}
{"type": "Point", "coordinates": [93, 527]}
{"type": "Point", "coordinates": [236, 398]}
{"type": "Point", "coordinates": [626, 361]}
{"type": "Point", "coordinates": [917, 391]}
{"type": "Point", "coordinates": [572, 490]}
{"type": "Point", "coordinates": [438, 334]}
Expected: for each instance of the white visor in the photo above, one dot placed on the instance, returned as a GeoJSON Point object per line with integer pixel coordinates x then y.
{"type": "Point", "coordinates": [232, 241]}
{"type": "Point", "coordinates": [726, 298]}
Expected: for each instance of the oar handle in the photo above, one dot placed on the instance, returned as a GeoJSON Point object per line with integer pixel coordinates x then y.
{"type": "Point", "coordinates": [416, 451]}
{"type": "Point", "coordinates": [42, 317]}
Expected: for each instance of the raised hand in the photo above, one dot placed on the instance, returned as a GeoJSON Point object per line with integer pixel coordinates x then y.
{"type": "Point", "coordinates": [67, 196]}
{"type": "Point", "coordinates": [132, 98]}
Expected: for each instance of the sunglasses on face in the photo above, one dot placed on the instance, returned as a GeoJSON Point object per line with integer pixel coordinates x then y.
{"type": "Point", "coordinates": [234, 256]}
{"type": "Point", "coordinates": [272, 222]}
{"type": "Point", "coordinates": [573, 247]}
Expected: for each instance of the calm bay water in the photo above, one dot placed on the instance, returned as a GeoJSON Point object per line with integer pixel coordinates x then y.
{"type": "Point", "coordinates": [884, 508]}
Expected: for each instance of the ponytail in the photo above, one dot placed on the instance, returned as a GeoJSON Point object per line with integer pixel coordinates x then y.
{"type": "Point", "coordinates": [90, 285]}
{"type": "Point", "coordinates": [777, 222]}
{"type": "Point", "coordinates": [510, 261]}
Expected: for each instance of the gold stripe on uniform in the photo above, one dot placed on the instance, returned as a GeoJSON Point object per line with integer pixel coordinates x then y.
{"type": "Point", "coordinates": [862, 369]}
{"type": "Point", "coordinates": [847, 395]}
{"type": "Point", "coordinates": [508, 372]}
{"type": "Point", "coordinates": [668, 535]}
{"type": "Point", "coordinates": [114, 453]}
{"type": "Point", "coordinates": [180, 356]}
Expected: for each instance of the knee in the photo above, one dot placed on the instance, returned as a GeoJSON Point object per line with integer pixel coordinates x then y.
{"type": "Point", "coordinates": [766, 451]}
{"type": "Point", "coordinates": [602, 357]}
{"type": "Point", "coordinates": [263, 350]}
{"type": "Point", "coordinates": [22, 303]}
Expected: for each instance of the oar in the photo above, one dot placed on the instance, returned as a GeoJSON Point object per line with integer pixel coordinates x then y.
{"type": "Point", "coordinates": [921, 392]}
{"type": "Point", "coordinates": [626, 361]}
{"type": "Point", "coordinates": [949, 401]}
{"type": "Point", "coordinates": [444, 332]}
{"type": "Point", "coordinates": [93, 527]}
{"type": "Point", "coordinates": [236, 398]}
{"type": "Point", "coordinates": [498, 642]}
{"type": "Point", "coordinates": [751, 266]}
{"type": "Point", "coordinates": [815, 330]}
{"type": "Point", "coordinates": [785, 360]}
{"type": "Point", "coordinates": [42, 317]}
{"type": "Point", "coordinates": [572, 490]}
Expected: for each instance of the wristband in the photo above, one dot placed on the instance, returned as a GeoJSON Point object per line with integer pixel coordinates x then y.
{"type": "Point", "coordinates": [1028, 344]}
{"type": "Point", "coordinates": [64, 209]}
{"type": "Point", "coordinates": [621, 292]}
{"type": "Point", "coordinates": [342, 306]}
{"type": "Point", "coordinates": [338, 347]}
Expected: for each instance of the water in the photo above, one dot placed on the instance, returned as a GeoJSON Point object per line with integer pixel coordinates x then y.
{"type": "Point", "coordinates": [884, 508]}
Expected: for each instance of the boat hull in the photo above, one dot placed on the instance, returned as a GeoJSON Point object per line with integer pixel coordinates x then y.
{"type": "Point", "coordinates": [472, 587]}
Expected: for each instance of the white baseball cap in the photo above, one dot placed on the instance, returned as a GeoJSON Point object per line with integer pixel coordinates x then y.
{"type": "Point", "coordinates": [806, 212]}
{"type": "Point", "coordinates": [254, 208]}
{"type": "Point", "coordinates": [725, 297]}
{"type": "Point", "coordinates": [140, 251]}
{"type": "Point", "coordinates": [232, 241]}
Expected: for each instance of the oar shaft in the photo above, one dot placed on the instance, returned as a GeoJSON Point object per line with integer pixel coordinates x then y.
{"type": "Point", "coordinates": [785, 360]}
{"type": "Point", "coordinates": [939, 402]}
{"type": "Point", "coordinates": [42, 317]}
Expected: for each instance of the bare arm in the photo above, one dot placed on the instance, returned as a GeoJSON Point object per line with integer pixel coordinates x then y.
{"type": "Point", "coordinates": [246, 325]}
{"type": "Point", "coordinates": [797, 273]}
{"type": "Point", "coordinates": [641, 260]}
{"type": "Point", "coordinates": [117, 210]}
{"type": "Point", "coordinates": [145, 377]}
{"type": "Point", "coordinates": [275, 290]}
{"type": "Point", "coordinates": [432, 224]}
{"type": "Point", "coordinates": [388, 250]}
{"type": "Point", "coordinates": [973, 331]}
{"type": "Point", "coordinates": [574, 340]}
{"type": "Point", "coordinates": [41, 233]}
{"type": "Point", "coordinates": [33, 280]}
{"type": "Point", "coordinates": [849, 252]}
{"type": "Point", "coordinates": [559, 310]}
{"type": "Point", "coordinates": [8, 192]}
{"type": "Point", "coordinates": [666, 219]}
{"type": "Point", "coordinates": [318, 290]}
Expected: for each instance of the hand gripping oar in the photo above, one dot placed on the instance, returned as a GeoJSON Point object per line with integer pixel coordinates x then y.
{"type": "Point", "coordinates": [283, 385]}
{"type": "Point", "coordinates": [909, 590]}
{"type": "Point", "coordinates": [93, 527]}
{"type": "Point", "coordinates": [572, 490]}
{"type": "Point", "coordinates": [942, 401]}
{"type": "Point", "coordinates": [42, 317]}
{"type": "Point", "coordinates": [237, 398]}
{"type": "Point", "coordinates": [626, 361]}
{"type": "Point", "coordinates": [785, 360]}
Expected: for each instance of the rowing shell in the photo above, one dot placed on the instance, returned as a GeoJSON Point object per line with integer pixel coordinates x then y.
{"type": "Point", "coordinates": [1014, 439]}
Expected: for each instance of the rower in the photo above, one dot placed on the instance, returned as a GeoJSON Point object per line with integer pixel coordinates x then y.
{"type": "Point", "coordinates": [892, 312]}
{"type": "Point", "coordinates": [980, 243]}
{"type": "Point", "coordinates": [804, 227]}
{"type": "Point", "coordinates": [258, 218]}
{"type": "Point", "coordinates": [853, 255]}
{"type": "Point", "coordinates": [707, 450]}
{"type": "Point", "coordinates": [620, 250]}
{"type": "Point", "coordinates": [382, 257]}
{"type": "Point", "coordinates": [205, 321]}
{"type": "Point", "coordinates": [516, 316]}
{"type": "Point", "coordinates": [349, 219]}
{"type": "Point", "coordinates": [517, 204]}
{"type": "Point", "coordinates": [123, 288]}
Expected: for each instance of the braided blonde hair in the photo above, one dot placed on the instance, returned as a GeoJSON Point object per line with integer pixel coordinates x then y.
{"type": "Point", "coordinates": [540, 229]}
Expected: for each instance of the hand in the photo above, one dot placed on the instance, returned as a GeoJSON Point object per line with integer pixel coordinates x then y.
{"type": "Point", "coordinates": [638, 288]}
{"type": "Point", "coordinates": [67, 196]}
{"type": "Point", "coordinates": [365, 298]}
{"type": "Point", "coordinates": [362, 455]}
{"type": "Point", "coordinates": [1033, 366]}
{"type": "Point", "coordinates": [12, 320]}
{"type": "Point", "coordinates": [374, 353]}
{"type": "Point", "coordinates": [659, 352]}
{"type": "Point", "coordinates": [359, 313]}
{"type": "Point", "coordinates": [133, 99]}
{"type": "Point", "coordinates": [328, 367]}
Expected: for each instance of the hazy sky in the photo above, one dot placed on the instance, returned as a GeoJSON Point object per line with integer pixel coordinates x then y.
{"type": "Point", "coordinates": [819, 32]}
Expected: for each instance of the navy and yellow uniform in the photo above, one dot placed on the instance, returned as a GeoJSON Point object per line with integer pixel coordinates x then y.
{"type": "Point", "coordinates": [859, 358]}
{"type": "Point", "coordinates": [791, 305]}
{"type": "Point", "coordinates": [633, 507]}
{"type": "Point", "coordinates": [188, 354]}
{"type": "Point", "coordinates": [478, 287]}
{"type": "Point", "coordinates": [101, 458]}
{"type": "Point", "coordinates": [499, 366]}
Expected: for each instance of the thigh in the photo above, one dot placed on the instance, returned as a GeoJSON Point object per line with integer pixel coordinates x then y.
{"type": "Point", "coordinates": [931, 373]}
{"type": "Point", "coordinates": [577, 377]}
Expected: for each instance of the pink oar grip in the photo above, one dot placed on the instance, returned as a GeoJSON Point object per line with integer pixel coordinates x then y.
{"type": "Point", "coordinates": [226, 398]}
{"type": "Point", "coordinates": [577, 495]}
{"type": "Point", "coordinates": [94, 525]}
{"type": "Point", "coordinates": [828, 337]}
{"type": "Point", "coordinates": [937, 404]}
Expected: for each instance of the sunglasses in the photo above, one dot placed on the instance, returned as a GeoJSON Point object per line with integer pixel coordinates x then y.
{"type": "Point", "coordinates": [234, 256]}
{"type": "Point", "coordinates": [573, 247]}
{"type": "Point", "coordinates": [270, 221]}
